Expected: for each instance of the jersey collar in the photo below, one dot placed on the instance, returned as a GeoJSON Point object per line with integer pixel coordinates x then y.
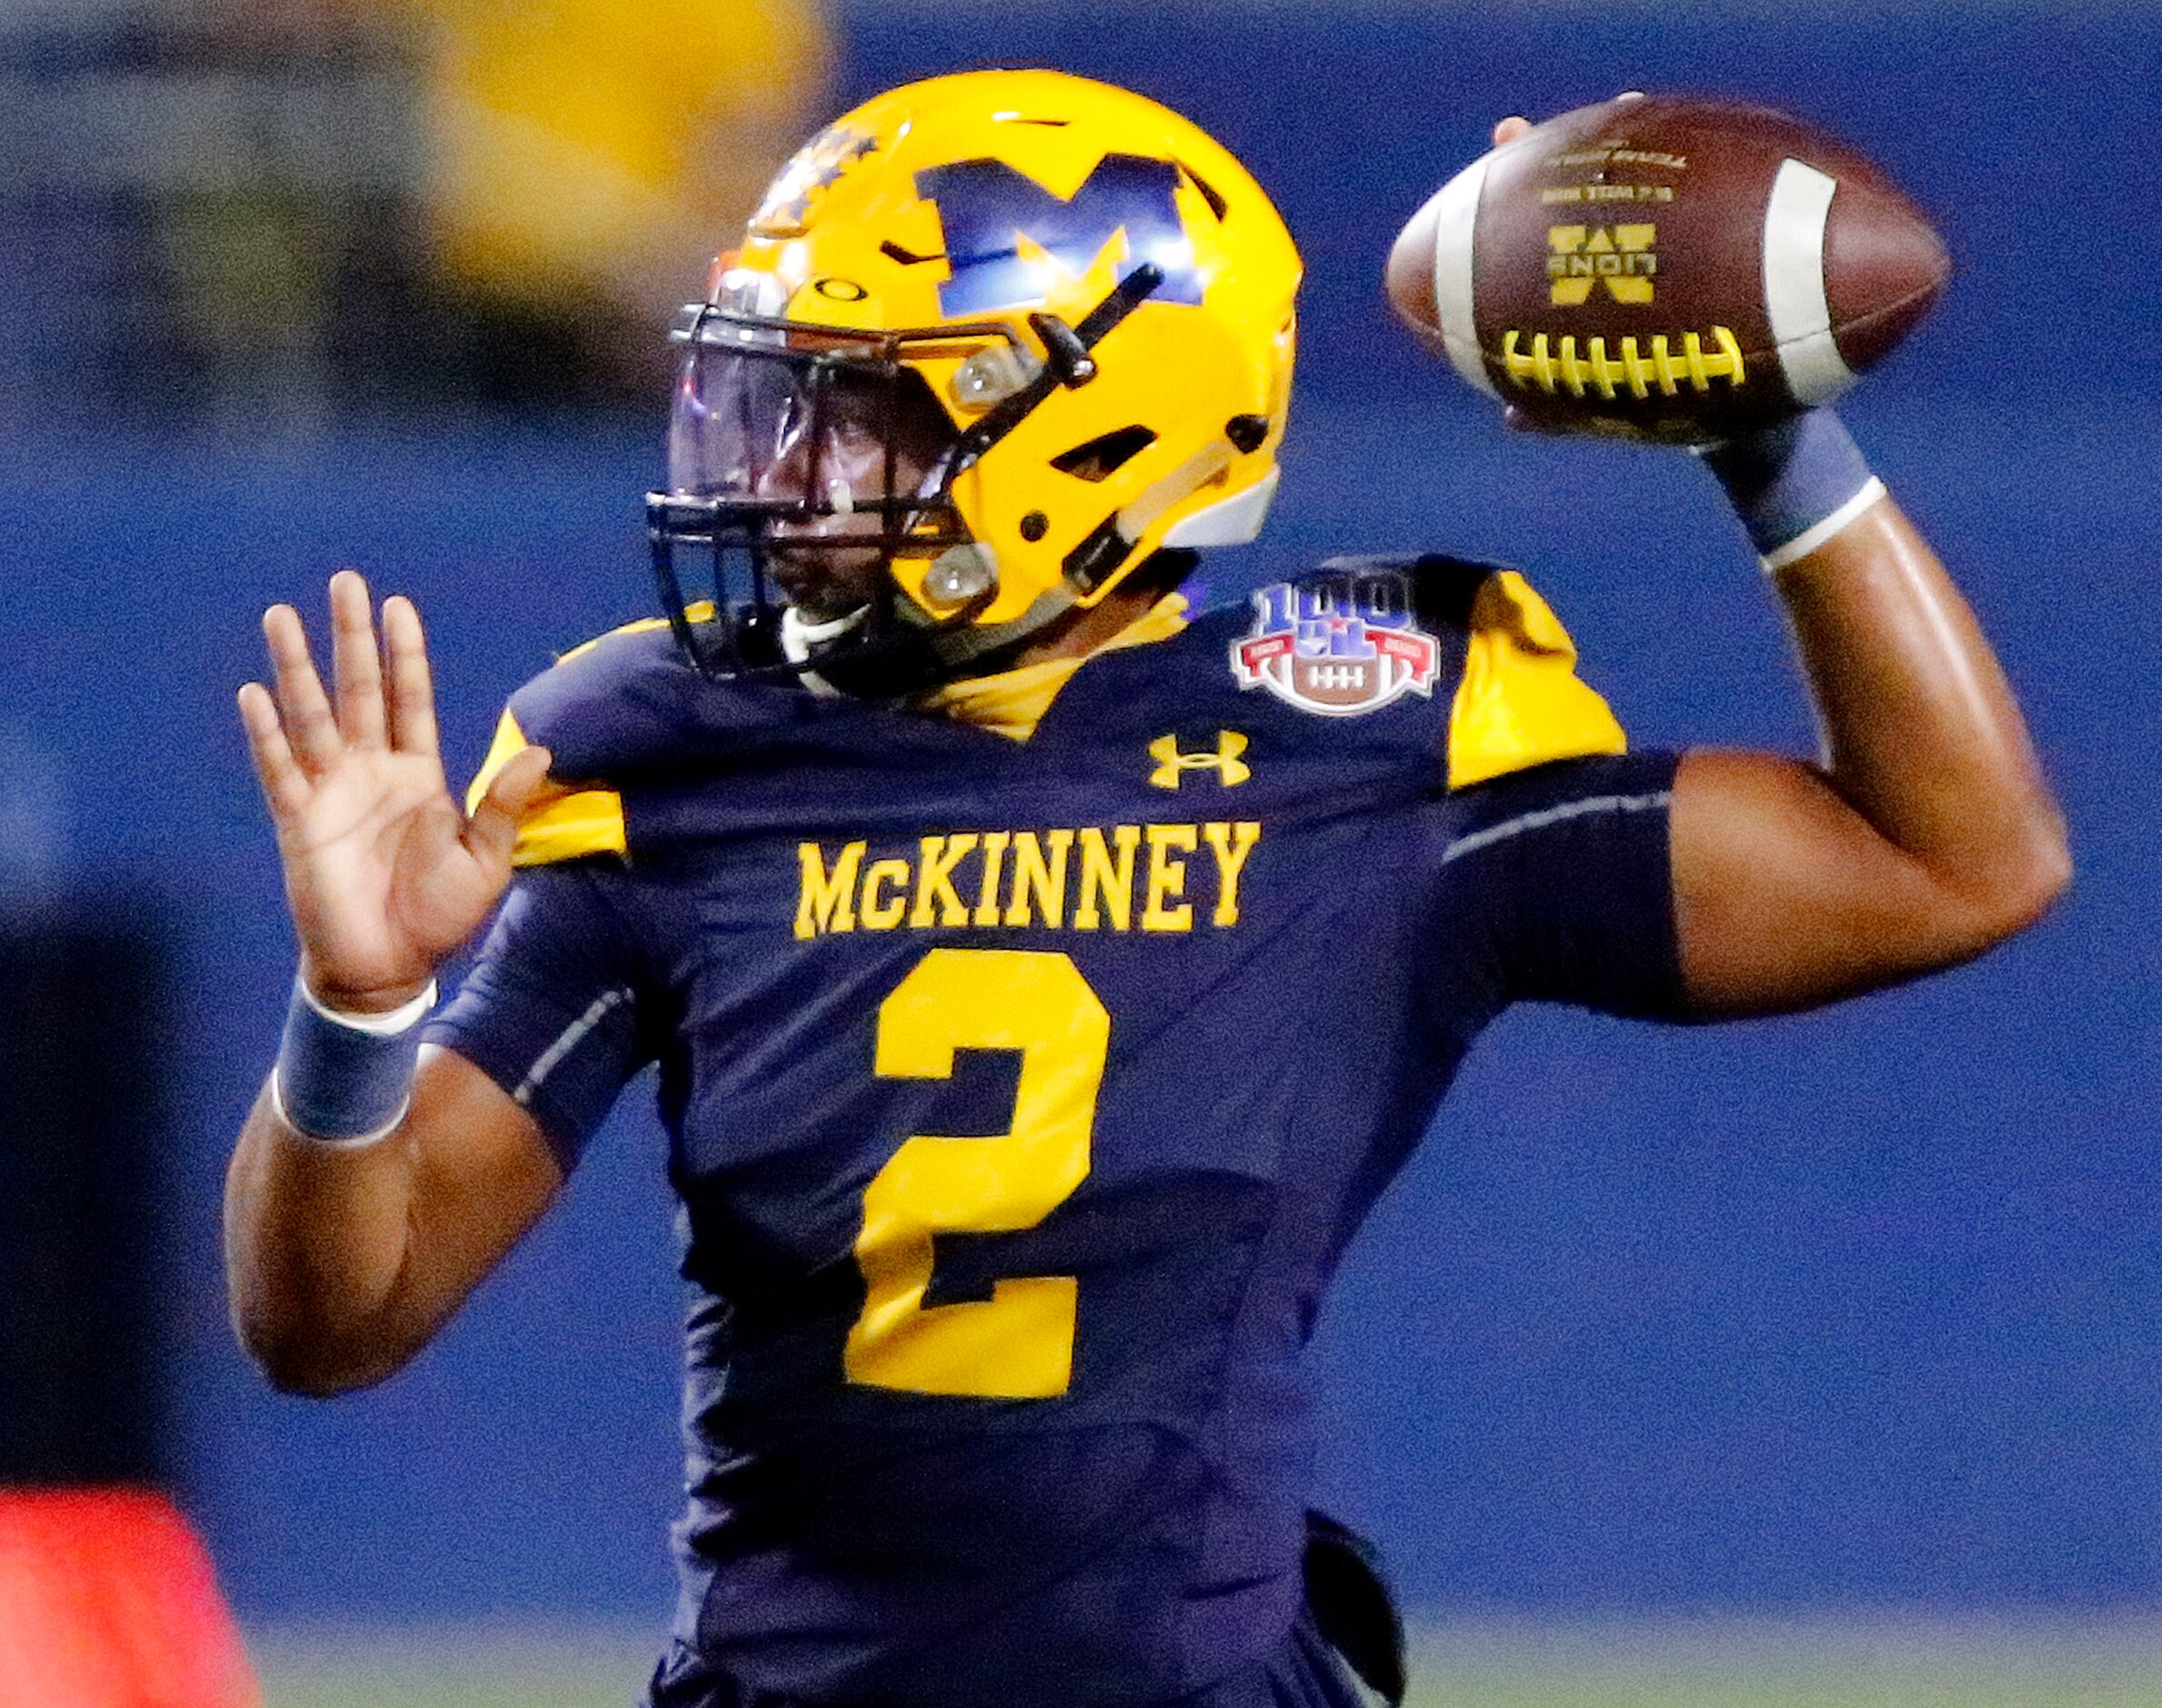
{"type": "Point", "coordinates": [1013, 702]}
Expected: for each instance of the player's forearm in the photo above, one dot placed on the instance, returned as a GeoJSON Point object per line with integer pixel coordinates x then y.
{"type": "Point", "coordinates": [316, 1239]}
{"type": "Point", "coordinates": [1922, 735]}
{"type": "Point", "coordinates": [344, 1260]}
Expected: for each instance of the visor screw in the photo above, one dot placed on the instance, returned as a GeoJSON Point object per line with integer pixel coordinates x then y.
{"type": "Point", "coordinates": [961, 573]}
{"type": "Point", "coordinates": [1063, 352]}
{"type": "Point", "coordinates": [1034, 526]}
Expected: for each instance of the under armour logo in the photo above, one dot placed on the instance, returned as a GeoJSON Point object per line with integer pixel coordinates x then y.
{"type": "Point", "coordinates": [1230, 768]}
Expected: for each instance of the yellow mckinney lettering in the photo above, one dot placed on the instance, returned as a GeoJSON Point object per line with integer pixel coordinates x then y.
{"type": "Point", "coordinates": [994, 860]}
{"type": "Point", "coordinates": [1231, 844]}
{"type": "Point", "coordinates": [1167, 877]}
{"type": "Point", "coordinates": [934, 880]}
{"type": "Point", "coordinates": [1105, 879]}
{"type": "Point", "coordinates": [1033, 878]}
{"type": "Point", "coordinates": [825, 903]}
{"type": "Point", "coordinates": [1020, 878]}
{"type": "Point", "coordinates": [880, 915]}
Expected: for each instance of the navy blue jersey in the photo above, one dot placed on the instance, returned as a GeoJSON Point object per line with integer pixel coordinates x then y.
{"type": "Point", "coordinates": [1024, 1092]}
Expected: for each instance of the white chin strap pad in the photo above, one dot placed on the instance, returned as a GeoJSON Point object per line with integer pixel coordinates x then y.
{"type": "Point", "coordinates": [798, 634]}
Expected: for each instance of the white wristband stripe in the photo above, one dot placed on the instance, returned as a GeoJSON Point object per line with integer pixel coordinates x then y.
{"type": "Point", "coordinates": [1804, 543]}
{"type": "Point", "coordinates": [344, 1079]}
{"type": "Point", "coordinates": [399, 1020]}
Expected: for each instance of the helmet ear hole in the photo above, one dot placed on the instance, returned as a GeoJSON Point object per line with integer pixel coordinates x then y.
{"type": "Point", "coordinates": [1100, 458]}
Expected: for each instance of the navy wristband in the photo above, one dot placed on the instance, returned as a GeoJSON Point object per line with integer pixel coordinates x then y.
{"type": "Point", "coordinates": [1794, 483]}
{"type": "Point", "coordinates": [346, 1078]}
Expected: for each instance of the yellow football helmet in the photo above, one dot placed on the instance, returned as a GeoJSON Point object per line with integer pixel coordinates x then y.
{"type": "Point", "coordinates": [1060, 318]}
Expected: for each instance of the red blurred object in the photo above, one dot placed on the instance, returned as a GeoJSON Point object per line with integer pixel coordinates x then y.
{"type": "Point", "coordinates": [109, 1600]}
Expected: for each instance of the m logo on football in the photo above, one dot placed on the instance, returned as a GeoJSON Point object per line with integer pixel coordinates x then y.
{"type": "Point", "coordinates": [1617, 256]}
{"type": "Point", "coordinates": [1340, 645]}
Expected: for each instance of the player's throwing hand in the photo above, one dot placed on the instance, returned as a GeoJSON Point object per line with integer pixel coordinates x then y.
{"type": "Point", "coordinates": [386, 876]}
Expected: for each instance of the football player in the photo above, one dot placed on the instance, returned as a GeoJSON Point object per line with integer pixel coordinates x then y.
{"type": "Point", "coordinates": [1043, 978]}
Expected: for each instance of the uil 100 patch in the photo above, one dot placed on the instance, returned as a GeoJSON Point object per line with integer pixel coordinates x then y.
{"type": "Point", "coordinates": [1340, 645]}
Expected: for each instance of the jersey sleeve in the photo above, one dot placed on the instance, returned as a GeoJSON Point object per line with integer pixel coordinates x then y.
{"type": "Point", "coordinates": [551, 1011]}
{"type": "Point", "coordinates": [1560, 879]}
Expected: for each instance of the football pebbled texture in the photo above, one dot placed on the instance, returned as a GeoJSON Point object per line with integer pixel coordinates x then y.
{"type": "Point", "coordinates": [1667, 268]}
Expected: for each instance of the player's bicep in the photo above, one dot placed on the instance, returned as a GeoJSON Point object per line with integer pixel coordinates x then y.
{"type": "Point", "coordinates": [1786, 896]}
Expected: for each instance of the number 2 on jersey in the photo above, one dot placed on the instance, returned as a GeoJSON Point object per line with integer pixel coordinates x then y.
{"type": "Point", "coordinates": [1018, 1344]}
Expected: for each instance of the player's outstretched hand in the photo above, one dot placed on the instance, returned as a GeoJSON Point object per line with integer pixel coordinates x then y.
{"type": "Point", "coordinates": [385, 874]}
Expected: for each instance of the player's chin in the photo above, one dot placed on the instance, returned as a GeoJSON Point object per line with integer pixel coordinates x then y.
{"type": "Point", "coordinates": [823, 576]}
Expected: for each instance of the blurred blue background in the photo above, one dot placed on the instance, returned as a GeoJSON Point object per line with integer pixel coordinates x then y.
{"type": "Point", "coordinates": [1849, 1311]}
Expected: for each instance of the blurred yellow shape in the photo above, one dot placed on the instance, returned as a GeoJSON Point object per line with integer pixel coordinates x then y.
{"type": "Point", "coordinates": [607, 147]}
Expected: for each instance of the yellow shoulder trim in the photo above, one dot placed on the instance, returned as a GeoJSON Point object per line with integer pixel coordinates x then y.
{"type": "Point", "coordinates": [562, 826]}
{"type": "Point", "coordinates": [566, 824]}
{"type": "Point", "coordinates": [697, 613]}
{"type": "Point", "coordinates": [509, 742]}
{"type": "Point", "coordinates": [570, 828]}
{"type": "Point", "coordinates": [1520, 703]}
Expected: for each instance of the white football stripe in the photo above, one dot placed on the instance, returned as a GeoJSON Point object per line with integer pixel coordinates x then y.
{"type": "Point", "coordinates": [1456, 213]}
{"type": "Point", "coordinates": [1801, 316]}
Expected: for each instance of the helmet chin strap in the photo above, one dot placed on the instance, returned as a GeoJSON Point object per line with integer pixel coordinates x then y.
{"type": "Point", "coordinates": [964, 645]}
{"type": "Point", "coordinates": [889, 647]}
{"type": "Point", "coordinates": [923, 652]}
{"type": "Point", "coordinates": [801, 637]}
{"type": "Point", "coordinates": [968, 574]}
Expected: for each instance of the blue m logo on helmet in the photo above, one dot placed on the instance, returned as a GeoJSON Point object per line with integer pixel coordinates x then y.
{"type": "Point", "coordinates": [987, 208]}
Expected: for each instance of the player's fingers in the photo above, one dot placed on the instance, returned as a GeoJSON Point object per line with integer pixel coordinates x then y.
{"type": "Point", "coordinates": [492, 831]}
{"type": "Point", "coordinates": [285, 785]}
{"type": "Point", "coordinates": [1519, 421]}
{"type": "Point", "coordinates": [355, 662]}
{"type": "Point", "coordinates": [1516, 125]}
{"type": "Point", "coordinates": [412, 692]}
{"type": "Point", "coordinates": [304, 709]}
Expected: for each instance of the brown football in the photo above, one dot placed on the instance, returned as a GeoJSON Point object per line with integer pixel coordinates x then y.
{"type": "Point", "coordinates": [1667, 268]}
